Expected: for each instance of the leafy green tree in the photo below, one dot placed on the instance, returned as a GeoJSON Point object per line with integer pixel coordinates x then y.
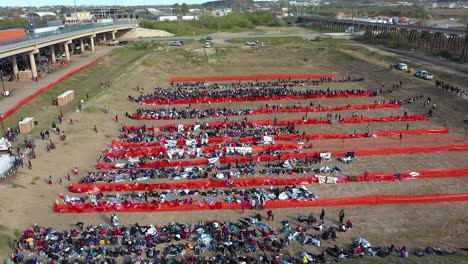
{"type": "Point", "coordinates": [184, 9]}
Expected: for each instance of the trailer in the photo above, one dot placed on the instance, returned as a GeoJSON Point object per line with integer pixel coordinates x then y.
{"type": "Point", "coordinates": [12, 35]}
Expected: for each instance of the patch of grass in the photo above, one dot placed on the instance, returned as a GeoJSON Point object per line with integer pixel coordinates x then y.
{"type": "Point", "coordinates": [88, 81]}
{"type": "Point", "coordinates": [220, 53]}
{"type": "Point", "coordinates": [192, 57]}
{"type": "Point", "coordinates": [36, 178]}
{"type": "Point", "coordinates": [33, 183]}
{"type": "Point", "coordinates": [3, 228]}
{"type": "Point", "coordinates": [234, 22]}
{"type": "Point", "coordinates": [5, 242]}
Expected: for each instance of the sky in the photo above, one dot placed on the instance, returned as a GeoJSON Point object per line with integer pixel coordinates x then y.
{"type": "Point", "coordinates": [27, 3]}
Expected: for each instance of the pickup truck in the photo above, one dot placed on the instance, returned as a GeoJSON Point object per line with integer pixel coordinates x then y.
{"type": "Point", "coordinates": [423, 75]}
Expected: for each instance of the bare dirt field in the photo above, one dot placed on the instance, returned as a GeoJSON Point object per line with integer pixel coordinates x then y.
{"type": "Point", "coordinates": [28, 199]}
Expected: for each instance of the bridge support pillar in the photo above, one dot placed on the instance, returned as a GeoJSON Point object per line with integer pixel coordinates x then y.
{"type": "Point", "coordinates": [52, 54]}
{"type": "Point", "coordinates": [32, 62]}
{"type": "Point", "coordinates": [67, 51]}
{"type": "Point", "coordinates": [82, 45]}
{"type": "Point", "coordinates": [104, 37]}
{"type": "Point", "coordinates": [113, 34]}
{"type": "Point", "coordinates": [14, 64]}
{"type": "Point", "coordinates": [91, 40]}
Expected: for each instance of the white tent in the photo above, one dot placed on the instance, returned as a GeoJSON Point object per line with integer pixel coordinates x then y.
{"type": "Point", "coordinates": [4, 144]}
{"type": "Point", "coordinates": [6, 163]}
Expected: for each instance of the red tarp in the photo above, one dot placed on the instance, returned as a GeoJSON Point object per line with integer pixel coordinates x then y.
{"type": "Point", "coordinates": [266, 122]}
{"type": "Point", "coordinates": [24, 101]}
{"type": "Point", "coordinates": [252, 99]}
{"type": "Point", "coordinates": [312, 136]}
{"type": "Point", "coordinates": [288, 203]}
{"type": "Point", "coordinates": [285, 156]}
{"type": "Point", "coordinates": [257, 181]}
{"type": "Point", "coordinates": [298, 109]}
{"type": "Point", "coordinates": [252, 77]}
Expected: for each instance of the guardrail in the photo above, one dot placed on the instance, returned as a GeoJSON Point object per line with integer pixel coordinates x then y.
{"type": "Point", "coordinates": [63, 33]}
{"type": "Point", "coordinates": [358, 22]}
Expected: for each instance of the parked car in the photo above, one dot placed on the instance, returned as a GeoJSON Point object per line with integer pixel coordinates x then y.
{"type": "Point", "coordinates": [423, 75]}
{"type": "Point", "coordinates": [123, 43]}
{"type": "Point", "coordinates": [113, 42]}
{"type": "Point", "coordinates": [251, 43]}
{"type": "Point", "coordinates": [177, 43]}
{"type": "Point", "coordinates": [77, 50]}
{"type": "Point", "coordinates": [208, 38]}
{"type": "Point", "coordinates": [60, 55]}
{"type": "Point", "coordinates": [208, 45]}
{"type": "Point", "coordinates": [401, 66]}
{"type": "Point", "coordinates": [44, 59]}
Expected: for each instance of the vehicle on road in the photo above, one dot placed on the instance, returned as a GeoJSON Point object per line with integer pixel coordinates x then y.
{"type": "Point", "coordinates": [423, 75]}
{"type": "Point", "coordinates": [208, 45]}
{"type": "Point", "coordinates": [123, 43]}
{"type": "Point", "coordinates": [208, 38]}
{"type": "Point", "coordinates": [401, 66]}
{"type": "Point", "coordinates": [251, 43]}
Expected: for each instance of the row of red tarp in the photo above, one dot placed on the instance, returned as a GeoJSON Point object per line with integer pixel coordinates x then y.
{"type": "Point", "coordinates": [267, 122]}
{"type": "Point", "coordinates": [260, 181]}
{"type": "Point", "coordinates": [286, 156]}
{"type": "Point", "coordinates": [253, 77]}
{"type": "Point", "coordinates": [312, 136]}
{"type": "Point", "coordinates": [29, 98]}
{"type": "Point", "coordinates": [148, 151]}
{"type": "Point", "coordinates": [253, 99]}
{"type": "Point", "coordinates": [288, 203]}
{"type": "Point", "coordinates": [297, 109]}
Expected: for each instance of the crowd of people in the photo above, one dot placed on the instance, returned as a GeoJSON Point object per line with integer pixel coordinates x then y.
{"type": "Point", "coordinates": [180, 113]}
{"type": "Point", "coordinates": [237, 91]}
{"type": "Point", "coordinates": [205, 131]}
{"type": "Point", "coordinates": [448, 87]}
{"type": "Point", "coordinates": [251, 239]}
{"type": "Point", "coordinates": [247, 197]}
{"type": "Point", "coordinates": [211, 171]}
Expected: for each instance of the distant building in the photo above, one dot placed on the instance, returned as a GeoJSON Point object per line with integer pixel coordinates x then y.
{"type": "Point", "coordinates": [81, 17]}
{"type": "Point", "coordinates": [41, 15]}
{"type": "Point", "coordinates": [221, 12]}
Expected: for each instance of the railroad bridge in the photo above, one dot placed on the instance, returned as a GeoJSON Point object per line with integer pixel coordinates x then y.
{"type": "Point", "coordinates": [434, 40]}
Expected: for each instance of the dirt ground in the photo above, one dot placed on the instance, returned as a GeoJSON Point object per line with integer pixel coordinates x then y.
{"type": "Point", "coordinates": [28, 199]}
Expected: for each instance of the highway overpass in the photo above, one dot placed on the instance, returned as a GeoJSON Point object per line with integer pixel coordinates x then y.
{"type": "Point", "coordinates": [77, 36]}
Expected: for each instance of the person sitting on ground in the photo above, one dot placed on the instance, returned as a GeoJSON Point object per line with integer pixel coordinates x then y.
{"type": "Point", "coordinates": [342, 228]}
{"type": "Point", "coordinates": [349, 224]}
{"type": "Point", "coordinates": [319, 226]}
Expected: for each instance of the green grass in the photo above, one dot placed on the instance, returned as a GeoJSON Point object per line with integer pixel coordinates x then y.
{"type": "Point", "coordinates": [84, 83]}
{"type": "Point", "coordinates": [207, 24]}
{"type": "Point", "coordinates": [5, 242]}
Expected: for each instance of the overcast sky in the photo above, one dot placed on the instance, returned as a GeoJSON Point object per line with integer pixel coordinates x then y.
{"type": "Point", "coordinates": [27, 3]}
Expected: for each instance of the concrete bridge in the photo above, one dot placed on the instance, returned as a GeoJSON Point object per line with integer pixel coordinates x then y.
{"type": "Point", "coordinates": [64, 41]}
{"type": "Point", "coordinates": [434, 40]}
